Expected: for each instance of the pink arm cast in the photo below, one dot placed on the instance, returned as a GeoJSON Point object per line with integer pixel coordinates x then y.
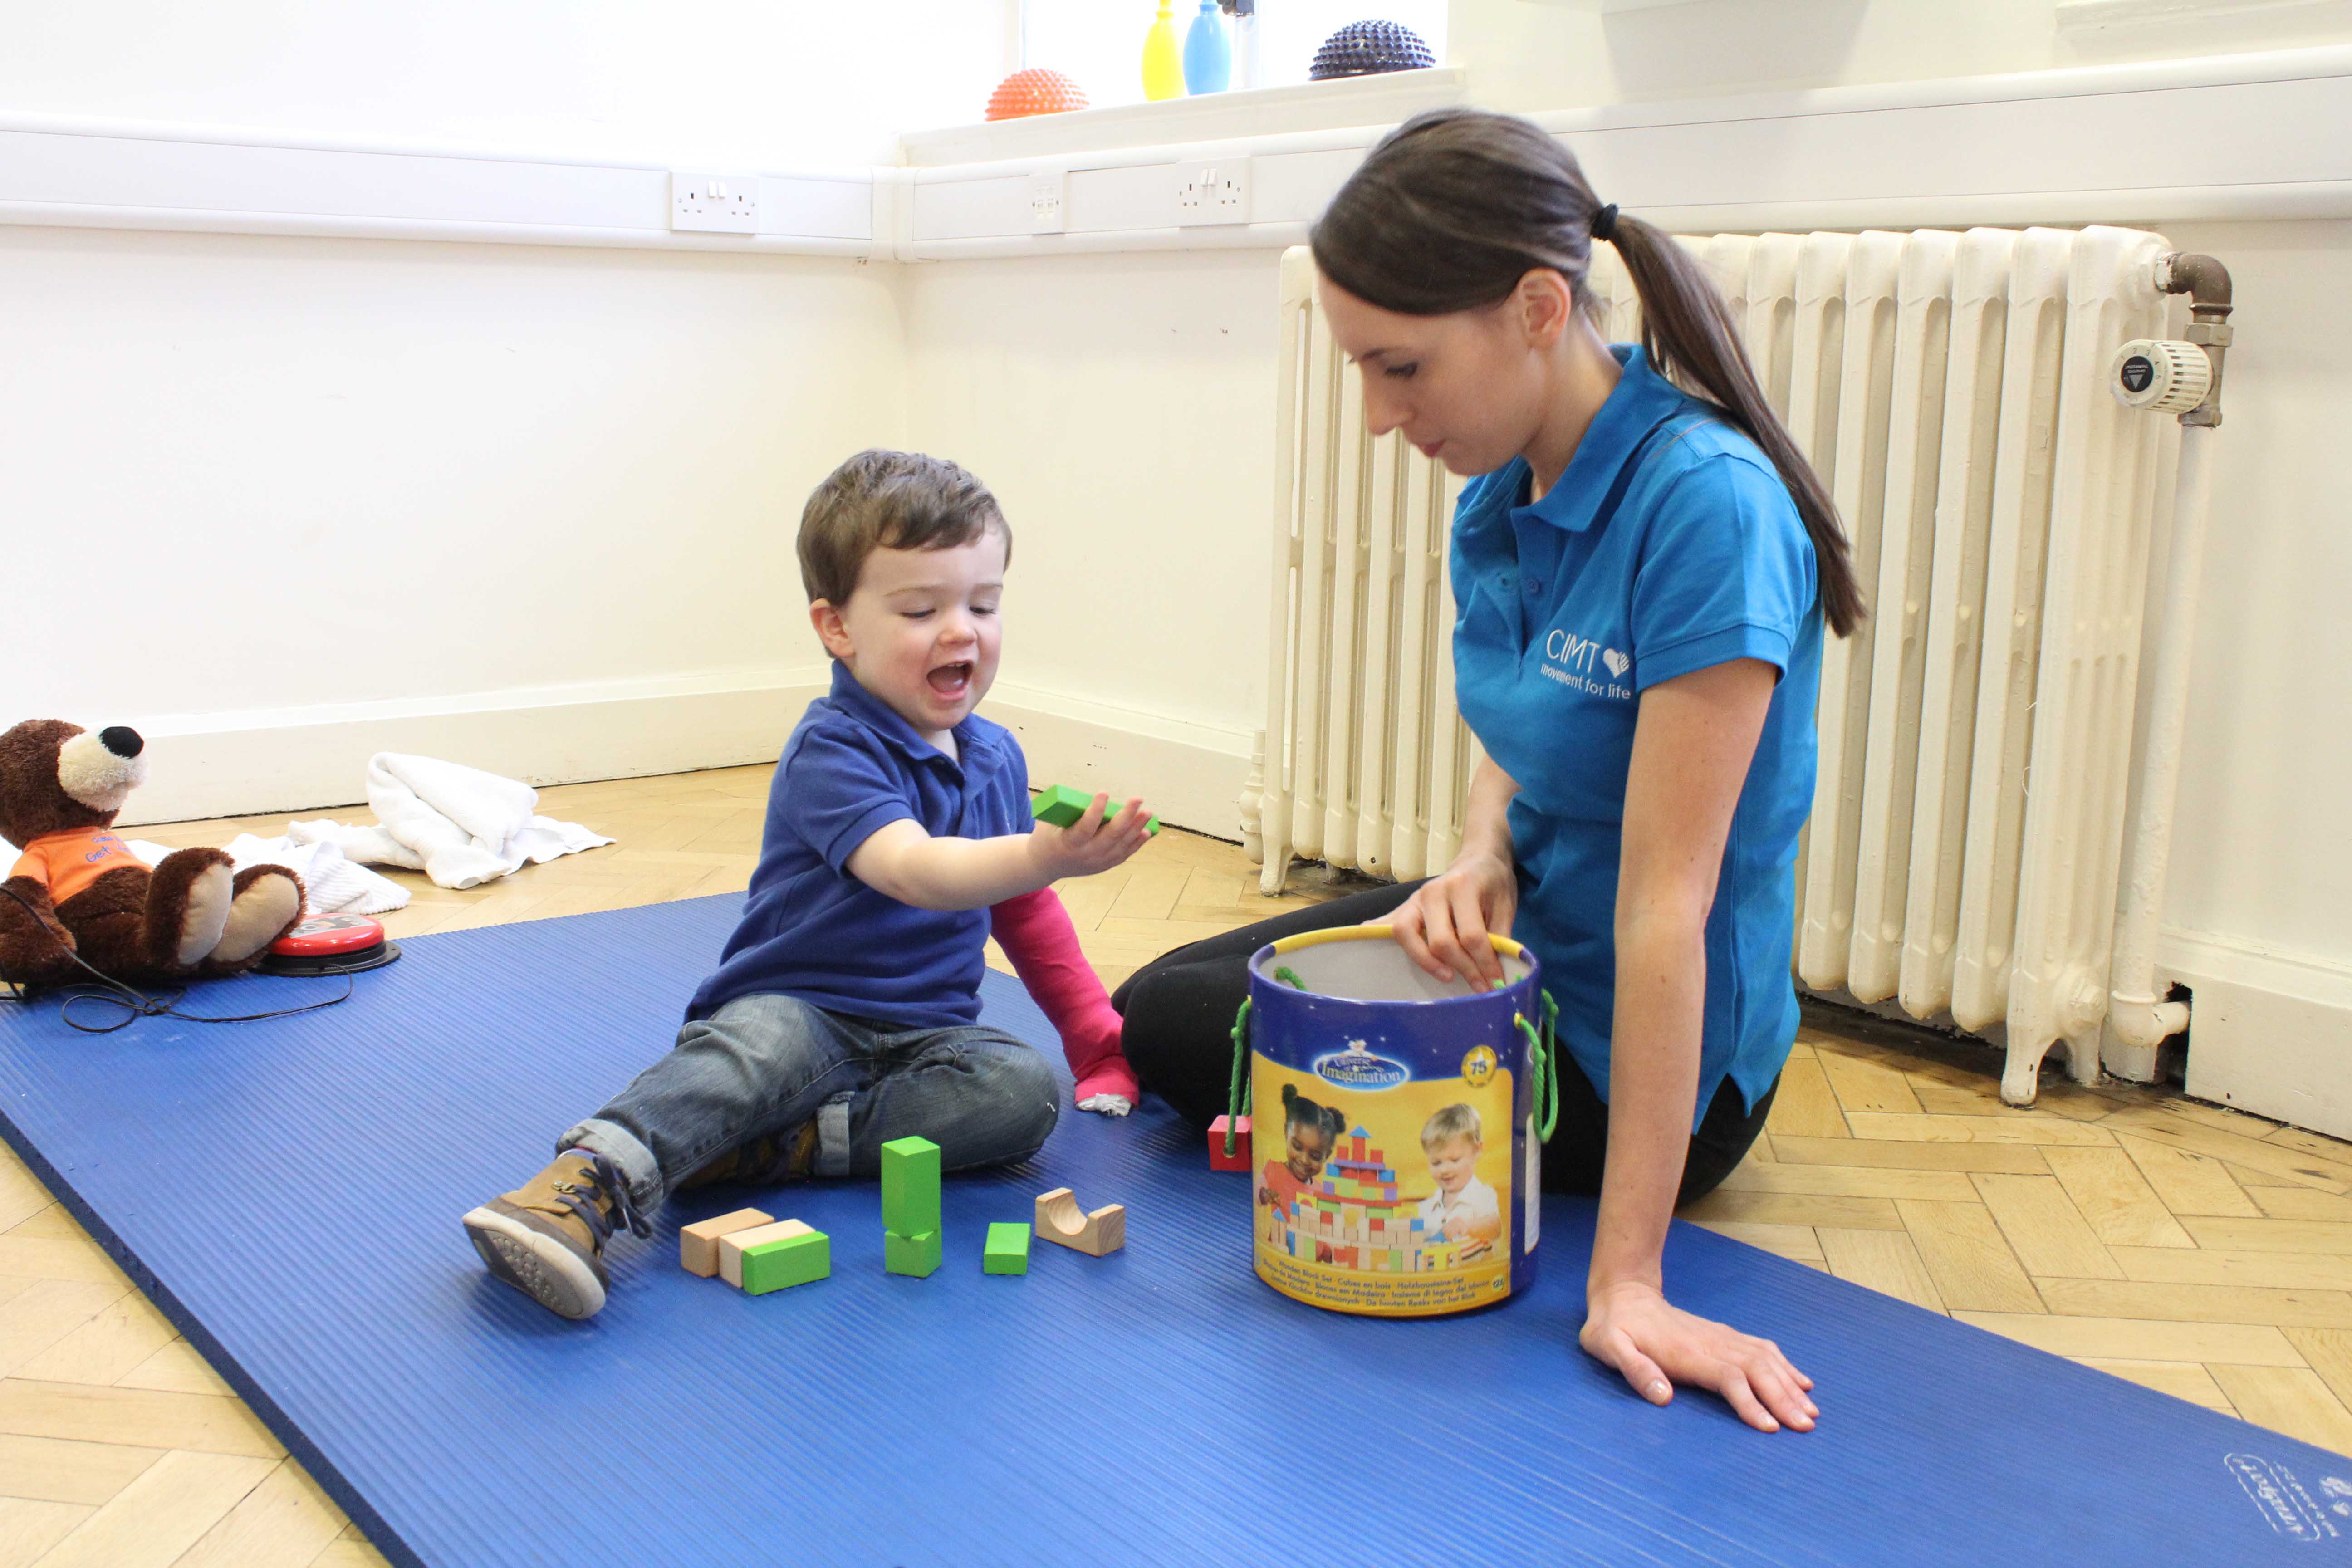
{"type": "Point", "coordinates": [1035, 932]}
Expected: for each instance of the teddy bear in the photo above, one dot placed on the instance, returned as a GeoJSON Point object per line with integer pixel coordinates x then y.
{"type": "Point", "coordinates": [84, 893]}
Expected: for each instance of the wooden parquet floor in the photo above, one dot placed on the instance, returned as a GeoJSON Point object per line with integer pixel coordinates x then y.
{"type": "Point", "coordinates": [2201, 1252]}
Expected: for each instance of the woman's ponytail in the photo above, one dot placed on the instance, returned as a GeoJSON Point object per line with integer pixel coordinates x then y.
{"type": "Point", "coordinates": [1690, 337]}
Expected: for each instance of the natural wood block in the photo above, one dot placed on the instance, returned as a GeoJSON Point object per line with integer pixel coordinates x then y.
{"type": "Point", "coordinates": [1968, 1257]}
{"type": "Point", "coordinates": [2115, 1198]}
{"type": "Point", "coordinates": [2044, 1229]}
{"type": "Point", "coordinates": [2292, 1400]}
{"type": "Point", "coordinates": [698, 1244]}
{"type": "Point", "coordinates": [732, 1244]}
{"type": "Point", "coordinates": [1886, 1261]}
{"type": "Point", "coordinates": [1059, 1219]}
{"type": "Point", "coordinates": [2131, 1338]}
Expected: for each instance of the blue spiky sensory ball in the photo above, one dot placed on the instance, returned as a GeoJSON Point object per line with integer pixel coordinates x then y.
{"type": "Point", "coordinates": [1367, 48]}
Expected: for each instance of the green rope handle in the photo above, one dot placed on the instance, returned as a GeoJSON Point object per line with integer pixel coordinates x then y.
{"type": "Point", "coordinates": [1290, 977]}
{"type": "Point", "coordinates": [1543, 1051]}
{"type": "Point", "coordinates": [1237, 1097]}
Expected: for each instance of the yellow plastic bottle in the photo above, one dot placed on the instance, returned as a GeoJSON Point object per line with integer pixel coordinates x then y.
{"type": "Point", "coordinates": [1163, 57]}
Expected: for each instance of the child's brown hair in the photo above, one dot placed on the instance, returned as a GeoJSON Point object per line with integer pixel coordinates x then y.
{"type": "Point", "coordinates": [881, 499]}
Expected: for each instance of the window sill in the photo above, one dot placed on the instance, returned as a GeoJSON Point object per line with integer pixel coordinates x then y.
{"type": "Point", "coordinates": [1218, 116]}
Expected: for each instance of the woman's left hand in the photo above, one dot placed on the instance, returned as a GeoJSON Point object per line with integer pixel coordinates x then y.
{"type": "Point", "coordinates": [1655, 1344]}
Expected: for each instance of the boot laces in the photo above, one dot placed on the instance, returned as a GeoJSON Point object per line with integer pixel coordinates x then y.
{"type": "Point", "coordinates": [604, 1186]}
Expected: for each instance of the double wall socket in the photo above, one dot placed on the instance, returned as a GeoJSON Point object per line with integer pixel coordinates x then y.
{"type": "Point", "coordinates": [1213, 192]}
{"type": "Point", "coordinates": [1049, 201]}
{"type": "Point", "coordinates": [714, 204]}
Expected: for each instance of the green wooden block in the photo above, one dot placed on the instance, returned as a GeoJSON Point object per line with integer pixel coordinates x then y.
{"type": "Point", "coordinates": [1008, 1249]}
{"type": "Point", "coordinates": [1062, 806]}
{"type": "Point", "coordinates": [911, 1186]}
{"type": "Point", "coordinates": [791, 1260]}
{"type": "Point", "coordinates": [915, 1255]}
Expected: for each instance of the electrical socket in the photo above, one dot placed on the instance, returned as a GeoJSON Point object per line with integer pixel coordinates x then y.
{"type": "Point", "coordinates": [1213, 192]}
{"type": "Point", "coordinates": [1049, 202]}
{"type": "Point", "coordinates": [714, 204]}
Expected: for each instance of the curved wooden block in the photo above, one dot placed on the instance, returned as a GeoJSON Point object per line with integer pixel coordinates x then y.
{"type": "Point", "coordinates": [1060, 1219]}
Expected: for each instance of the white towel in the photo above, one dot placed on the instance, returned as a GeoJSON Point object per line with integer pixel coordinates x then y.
{"type": "Point", "coordinates": [457, 824]}
{"type": "Point", "coordinates": [331, 884]}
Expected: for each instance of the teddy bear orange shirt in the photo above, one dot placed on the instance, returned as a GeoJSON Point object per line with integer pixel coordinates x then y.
{"type": "Point", "coordinates": [69, 862]}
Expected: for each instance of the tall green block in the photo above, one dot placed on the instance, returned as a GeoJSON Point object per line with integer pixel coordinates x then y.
{"type": "Point", "coordinates": [1062, 806]}
{"type": "Point", "coordinates": [911, 1186]}
{"type": "Point", "coordinates": [915, 1255]}
{"type": "Point", "coordinates": [793, 1260]}
{"type": "Point", "coordinates": [1008, 1249]}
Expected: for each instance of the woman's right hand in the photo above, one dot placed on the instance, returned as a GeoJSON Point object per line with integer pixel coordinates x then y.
{"type": "Point", "coordinates": [1444, 925]}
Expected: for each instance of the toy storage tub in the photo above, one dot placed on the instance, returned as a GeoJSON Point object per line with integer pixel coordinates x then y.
{"type": "Point", "coordinates": [1399, 1125]}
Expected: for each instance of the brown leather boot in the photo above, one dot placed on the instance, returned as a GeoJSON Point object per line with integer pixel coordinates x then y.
{"type": "Point", "coordinates": [546, 1239]}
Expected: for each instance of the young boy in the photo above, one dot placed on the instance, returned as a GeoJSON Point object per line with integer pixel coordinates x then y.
{"type": "Point", "coordinates": [844, 1011]}
{"type": "Point", "coordinates": [1462, 1207]}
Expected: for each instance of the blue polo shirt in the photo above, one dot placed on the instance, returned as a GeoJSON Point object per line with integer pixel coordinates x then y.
{"type": "Point", "coordinates": [813, 930]}
{"type": "Point", "coordinates": [1669, 545]}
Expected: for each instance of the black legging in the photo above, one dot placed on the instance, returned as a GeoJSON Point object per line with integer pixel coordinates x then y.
{"type": "Point", "coordinates": [1179, 1011]}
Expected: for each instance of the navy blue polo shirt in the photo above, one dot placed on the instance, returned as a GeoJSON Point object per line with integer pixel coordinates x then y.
{"type": "Point", "coordinates": [813, 930]}
{"type": "Point", "coordinates": [1669, 545]}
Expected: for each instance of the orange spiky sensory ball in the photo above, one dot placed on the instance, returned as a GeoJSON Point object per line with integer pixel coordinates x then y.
{"type": "Point", "coordinates": [1035, 91]}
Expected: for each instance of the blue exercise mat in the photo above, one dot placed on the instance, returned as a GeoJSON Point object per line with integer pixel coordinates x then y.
{"type": "Point", "coordinates": [289, 1192]}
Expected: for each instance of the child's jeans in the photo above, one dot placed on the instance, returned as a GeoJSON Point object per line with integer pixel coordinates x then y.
{"type": "Point", "coordinates": [764, 1064]}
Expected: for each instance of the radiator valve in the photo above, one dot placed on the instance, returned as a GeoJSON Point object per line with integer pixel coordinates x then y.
{"type": "Point", "coordinates": [2164, 375]}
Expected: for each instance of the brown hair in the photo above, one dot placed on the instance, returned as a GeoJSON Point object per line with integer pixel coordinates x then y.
{"type": "Point", "coordinates": [889, 500]}
{"type": "Point", "coordinates": [1456, 205]}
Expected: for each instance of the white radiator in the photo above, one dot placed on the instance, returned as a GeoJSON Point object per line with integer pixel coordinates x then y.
{"type": "Point", "coordinates": [1951, 387]}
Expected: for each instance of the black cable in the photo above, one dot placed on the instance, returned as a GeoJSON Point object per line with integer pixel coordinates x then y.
{"type": "Point", "coordinates": [136, 1003]}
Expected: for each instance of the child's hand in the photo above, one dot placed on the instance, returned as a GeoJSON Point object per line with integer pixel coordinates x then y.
{"type": "Point", "coordinates": [1090, 845]}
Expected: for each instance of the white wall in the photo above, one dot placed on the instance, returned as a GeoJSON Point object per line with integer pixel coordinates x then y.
{"type": "Point", "coordinates": [360, 480]}
{"type": "Point", "coordinates": [1531, 55]}
{"type": "Point", "coordinates": [767, 83]}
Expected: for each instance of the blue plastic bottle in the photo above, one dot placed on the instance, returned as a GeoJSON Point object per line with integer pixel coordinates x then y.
{"type": "Point", "coordinates": [1208, 53]}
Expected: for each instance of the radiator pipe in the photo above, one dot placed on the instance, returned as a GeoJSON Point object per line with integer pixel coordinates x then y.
{"type": "Point", "coordinates": [2138, 1018]}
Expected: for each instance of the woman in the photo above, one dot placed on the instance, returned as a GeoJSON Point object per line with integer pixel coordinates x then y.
{"type": "Point", "coordinates": [1641, 577]}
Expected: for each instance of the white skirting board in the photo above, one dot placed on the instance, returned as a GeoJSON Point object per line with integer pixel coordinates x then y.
{"type": "Point", "coordinates": [2270, 1032]}
{"type": "Point", "coordinates": [301, 760]}
{"type": "Point", "coordinates": [2273, 1032]}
